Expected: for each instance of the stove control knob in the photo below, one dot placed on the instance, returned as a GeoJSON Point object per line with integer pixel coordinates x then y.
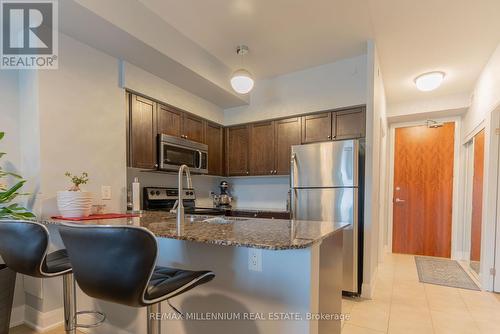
{"type": "Point", "coordinates": [157, 193]}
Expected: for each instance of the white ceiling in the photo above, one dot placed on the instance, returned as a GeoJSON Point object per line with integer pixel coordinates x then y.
{"type": "Point", "coordinates": [456, 36]}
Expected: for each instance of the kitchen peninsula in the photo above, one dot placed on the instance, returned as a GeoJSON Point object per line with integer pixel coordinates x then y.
{"type": "Point", "coordinates": [269, 274]}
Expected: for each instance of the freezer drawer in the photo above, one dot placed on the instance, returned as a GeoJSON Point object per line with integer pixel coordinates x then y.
{"type": "Point", "coordinates": [323, 165]}
{"type": "Point", "coordinates": [333, 204]}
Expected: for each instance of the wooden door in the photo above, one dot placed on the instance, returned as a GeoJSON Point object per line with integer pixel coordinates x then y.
{"type": "Point", "coordinates": [477, 199]}
{"type": "Point", "coordinates": [237, 147]}
{"type": "Point", "coordinates": [193, 128]}
{"type": "Point", "coordinates": [262, 148]}
{"type": "Point", "coordinates": [169, 121]}
{"type": "Point", "coordinates": [317, 128]}
{"type": "Point", "coordinates": [287, 133]}
{"type": "Point", "coordinates": [142, 132]}
{"type": "Point", "coordinates": [348, 124]}
{"type": "Point", "coordinates": [214, 140]}
{"type": "Point", "coordinates": [423, 189]}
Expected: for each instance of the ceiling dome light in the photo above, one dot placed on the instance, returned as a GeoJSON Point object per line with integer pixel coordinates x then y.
{"type": "Point", "coordinates": [242, 81]}
{"type": "Point", "coordinates": [429, 81]}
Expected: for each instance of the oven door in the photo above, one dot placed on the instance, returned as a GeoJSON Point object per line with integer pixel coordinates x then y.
{"type": "Point", "coordinates": [172, 156]}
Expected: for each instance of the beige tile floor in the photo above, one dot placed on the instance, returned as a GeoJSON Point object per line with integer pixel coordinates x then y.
{"type": "Point", "coordinates": [403, 305]}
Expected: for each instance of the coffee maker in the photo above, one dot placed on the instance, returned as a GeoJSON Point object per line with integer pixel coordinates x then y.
{"type": "Point", "coordinates": [223, 201]}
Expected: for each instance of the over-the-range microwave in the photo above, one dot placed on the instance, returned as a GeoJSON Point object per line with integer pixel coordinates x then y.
{"type": "Point", "coordinates": [174, 152]}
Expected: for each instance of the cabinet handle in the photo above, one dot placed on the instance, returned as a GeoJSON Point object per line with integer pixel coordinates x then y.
{"type": "Point", "coordinates": [248, 172]}
{"type": "Point", "coordinates": [271, 172]}
{"type": "Point", "coordinates": [329, 137]}
{"type": "Point", "coordinates": [275, 171]}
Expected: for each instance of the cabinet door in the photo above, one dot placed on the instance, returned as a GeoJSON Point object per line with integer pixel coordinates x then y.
{"type": "Point", "coordinates": [349, 124]}
{"type": "Point", "coordinates": [237, 142]}
{"type": "Point", "coordinates": [214, 140]}
{"type": "Point", "coordinates": [169, 121]}
{"type": "Point", "coordinates": [262, 148]}
{"type": "Point", "coordinates": [287, 133]}
{"type": "Point", "coordinates": [317, 128]}
{"type": "Point", "coordinates": [193, 128]}
{"type": "Point", "coordinates": [142, 132]}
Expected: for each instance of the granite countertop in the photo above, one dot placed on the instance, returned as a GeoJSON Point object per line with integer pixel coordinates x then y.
{"type": "Point", "coordinates": [273, 234]}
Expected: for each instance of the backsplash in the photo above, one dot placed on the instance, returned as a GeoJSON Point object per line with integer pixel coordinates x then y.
{"type": "Point", "coordinates": [260, 192]}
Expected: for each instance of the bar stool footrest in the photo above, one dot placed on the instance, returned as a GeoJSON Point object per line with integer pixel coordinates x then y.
{"type": "Point", "coordinates": [99, 315]}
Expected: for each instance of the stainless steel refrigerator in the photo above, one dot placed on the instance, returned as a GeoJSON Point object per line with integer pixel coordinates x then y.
{"type": "Point", "coordinates": [327, 184]}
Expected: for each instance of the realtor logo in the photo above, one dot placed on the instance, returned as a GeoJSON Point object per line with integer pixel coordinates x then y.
{"type": "Point", "coordinates": [29, 37]}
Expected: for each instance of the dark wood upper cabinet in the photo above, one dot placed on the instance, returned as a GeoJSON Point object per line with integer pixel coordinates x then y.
{"type": "Point", "coordinates": [193, 128]}
{"type": "Point", "coordinates": [316, 128]}
{"type": "Point", "coordinates": [142, 124]}
{"type": "Point", "coordinates": [348, 124]}
{"type": "Point", "coordinates": [169, 121]}
{"type": "Point", "coordinates": [237, 142]}
{"type": "Point", "coordinates": [262, 148]}
{"type": "Point", "coordinates": [214, 135]}
{"type": "Point", "coordinates": [287, 134]}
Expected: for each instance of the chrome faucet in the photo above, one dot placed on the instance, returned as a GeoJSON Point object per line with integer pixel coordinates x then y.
{"type": "Point", "coordinates": [180, 205]}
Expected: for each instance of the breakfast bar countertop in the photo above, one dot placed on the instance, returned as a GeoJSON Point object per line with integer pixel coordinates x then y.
{"type": "Point", "coordinates": [272, 234]}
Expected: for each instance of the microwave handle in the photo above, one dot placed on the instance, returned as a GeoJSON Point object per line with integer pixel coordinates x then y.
{"type": "Point", "coordinates": [200, 157]}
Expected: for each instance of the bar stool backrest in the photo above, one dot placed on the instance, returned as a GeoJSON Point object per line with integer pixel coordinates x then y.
{"type": "Point", "coordinates": [112, 263]}
{"type": "Point", "coordinates": [23, 246]}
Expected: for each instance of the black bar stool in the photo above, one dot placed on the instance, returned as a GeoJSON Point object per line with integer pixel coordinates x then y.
{"type": "Point", "coordinates": [24, 246]}
{"type": "Point", "coordinates": [118, 264]}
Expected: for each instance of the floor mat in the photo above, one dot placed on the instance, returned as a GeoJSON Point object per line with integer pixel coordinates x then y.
{"type": "Point", "coordinates": [443, 272]}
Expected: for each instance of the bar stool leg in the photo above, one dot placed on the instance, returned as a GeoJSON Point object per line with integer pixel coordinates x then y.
{"type": "Point", "coordinates": [69, 293]}
{"type": "Point", "coordinates": [154, 324]}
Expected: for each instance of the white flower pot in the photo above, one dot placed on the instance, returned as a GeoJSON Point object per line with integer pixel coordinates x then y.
{"type": "Point", "coordinates": [74, 204]}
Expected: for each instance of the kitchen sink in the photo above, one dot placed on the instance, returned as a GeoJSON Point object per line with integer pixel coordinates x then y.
{"type": "Point", "coordinates": [212, 219]}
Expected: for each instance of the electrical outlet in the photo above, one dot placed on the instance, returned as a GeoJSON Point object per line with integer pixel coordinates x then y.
{"type": "Point", "coordinates": [255, 259]}
{"type": "Point", "coordinates": [105, 192]}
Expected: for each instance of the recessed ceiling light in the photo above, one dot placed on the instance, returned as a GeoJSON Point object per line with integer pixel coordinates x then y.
{"type": "Point", "coordinates": [241, 80]}
{"type": "Point", "coordinates": [429, 81]}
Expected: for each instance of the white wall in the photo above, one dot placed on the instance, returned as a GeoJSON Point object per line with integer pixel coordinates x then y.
{"type": "Point", "coordinates": [484, 113]}
{"type": "Point", "coordinates": [329, 86]}
{"type": "Point", "coordinates": [136, 79]}
{"type": "Point", "coordinates": [375, 182]}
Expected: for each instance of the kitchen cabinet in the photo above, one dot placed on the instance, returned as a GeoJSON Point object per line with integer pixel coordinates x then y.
{"type": "Point", "coordinates": [317, 127]}
{"type": "Point", "coordinates": [214, 135]}
{"type": "Point", "coordinates": [348, 124]}
{"type": "Point", "coordinates": [237, 143]}
{"type": "Point", "coordinates": [261, 148]}
{"type": "Point", "coordinates": [193, 128]}
{"type": "Point", "coordinates": [287, 133]}
{"type": "Point", "coordinates": [169, 120]}
{"type": "Point", "coordinates": [142, 132]}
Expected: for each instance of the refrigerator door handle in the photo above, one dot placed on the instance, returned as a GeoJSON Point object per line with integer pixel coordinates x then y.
{"type": "Point", "coordinates": [292, 186]}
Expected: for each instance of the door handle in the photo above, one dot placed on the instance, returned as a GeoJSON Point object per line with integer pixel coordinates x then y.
{"type": "Point", "coordinates": [398, 200]}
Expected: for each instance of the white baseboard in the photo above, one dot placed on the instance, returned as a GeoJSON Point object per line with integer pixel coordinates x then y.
{"type": "Point", "coordinates": [17, 316]}
{"type": "Point", "coordinates": [42, 322]}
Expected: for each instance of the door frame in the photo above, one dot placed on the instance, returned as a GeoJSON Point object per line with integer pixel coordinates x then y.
{"type": "Point", "coordinates": [455, 236]}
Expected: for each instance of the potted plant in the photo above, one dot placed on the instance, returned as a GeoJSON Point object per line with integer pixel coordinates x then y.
{"type": "Point", "coordinates": [9, 210]}
{"type": "Point", "coordinates": [75, 203]}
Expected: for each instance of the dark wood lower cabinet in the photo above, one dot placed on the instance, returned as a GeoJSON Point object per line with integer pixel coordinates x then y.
{"type": "Point", "coordinates": [237, 144]}
{"type": "Point", "coordinates": [262, 148]}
